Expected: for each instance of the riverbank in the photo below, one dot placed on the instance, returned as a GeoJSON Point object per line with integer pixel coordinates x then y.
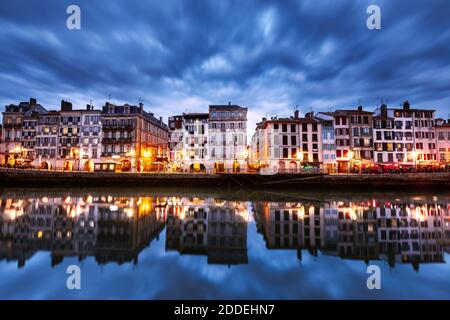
{"type": "Point", "coordinates": [36, 178]}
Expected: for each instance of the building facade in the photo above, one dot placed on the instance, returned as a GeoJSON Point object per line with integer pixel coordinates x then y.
{"type": "Point", "coordinates": [353, 136]}
{"type": "Point", "coordinates": [412, 140]}
{"type": "Point", "coordinates": [328, 143]}
{"type": "Point", "coordinates": [189, 134]}
{"type": "Point", "coordinates": [286, 145]}
{"type": "Point", "coordinates": [68, 154]}
{"type": "Point", "coordinates": [18, 141]}
{"type": "Point", "coordinates": [227, 138]}
{"type": "Point", "coordinates": [133, 139]}
{"type": "Point", "coordinates": [90, 138]}
{"type": "Point", "coordinates": [46, 147]}
{"type": "Point", "coordinates": [443, 141]}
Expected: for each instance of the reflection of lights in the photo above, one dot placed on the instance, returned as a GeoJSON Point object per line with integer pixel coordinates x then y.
{"type": "Point", "coordinates": [45, 200]}
{"type": "Point", "coordinates": [67, 200]}
{"type": "Point", "coordinates": [129, 212]}
{"type": "Point", "coordinates": [89, 199]}
{"type": "Point", "coordinates": [39, 234]}
{"type": "Point", "coordinates": [301, 212]}
{"type": "Point", "coordinates": [113, 208]}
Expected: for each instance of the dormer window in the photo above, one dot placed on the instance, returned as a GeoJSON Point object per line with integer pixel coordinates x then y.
{"type": "Point", "coordinates": [127, 109]}
{"type": "Point", "coordinates": [111, 110]}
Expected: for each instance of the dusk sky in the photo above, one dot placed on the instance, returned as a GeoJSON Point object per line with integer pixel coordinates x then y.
{"type": "Point", "coordinates": [182, 55]}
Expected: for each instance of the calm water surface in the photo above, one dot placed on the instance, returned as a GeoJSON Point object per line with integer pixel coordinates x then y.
{"type": "Point", "coordinates": [170, 244]}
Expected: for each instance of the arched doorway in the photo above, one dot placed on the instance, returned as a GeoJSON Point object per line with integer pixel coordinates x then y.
{"type": "Point", "coordinates": [45, 165]}
{"type": "Point", "coordinates": [281, 167]}
{"type": "Point", "coordinates": [68, 166]}
{"type": "Point", "coordinates": [197, 167]}
{"type": "Point", "coordinates": [236, 166]}
{"type": "Point", "coordinates": [126, 165]}
{"type": "Point", "coordinates": [89, 166]}
{"type": "Point", "coordinates": [293, 167]}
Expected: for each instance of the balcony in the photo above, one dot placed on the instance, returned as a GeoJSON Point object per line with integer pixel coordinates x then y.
{"type": "Point", "coordinates": [118, 127]}
{"type": "Point", "coordinates": [116, 140]}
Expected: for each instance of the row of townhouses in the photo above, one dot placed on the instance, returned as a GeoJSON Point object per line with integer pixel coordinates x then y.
{"type": "Point", "coordinates": [127, 138]}
{"type": "Point", "coordinates": [343, 140]}
{"type": "Point", "coordinates": [83, 139]}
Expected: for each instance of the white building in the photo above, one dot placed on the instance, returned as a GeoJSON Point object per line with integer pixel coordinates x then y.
{"type": "Point", "coordinates": [286, 144]}
{"type": "Point", "coordinates": [227, 138]}
{"type": "Point", "coordinates": [91, 137]}
{"type": "Point", "coordinates": [328, 142]}
{"type": "Point", "coordinates": [189, 141]}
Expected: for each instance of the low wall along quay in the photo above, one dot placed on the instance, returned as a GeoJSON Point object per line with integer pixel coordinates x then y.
{"type": "Point", "coordinates": [305, 181]}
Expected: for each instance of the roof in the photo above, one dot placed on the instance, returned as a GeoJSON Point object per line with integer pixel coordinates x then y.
{"type": "Point", "coordinates": [348, 112]}
{"type": "Point", "coordinates": [287, 121]}
{"type": "Point", "coordinates": [230, 107]}
{"type": "Point", "coordinates": [379, 117]}
{"type": "Point", "coordinates": [133, 110]}
{"type": "Point", "coordinates": [411, 109]}
{"type": "Point", "coordinates": [195, 115]}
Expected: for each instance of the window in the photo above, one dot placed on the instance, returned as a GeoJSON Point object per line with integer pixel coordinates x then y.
{"type": "Point", "coordinates": [293, 140]}
{"type": "Point", "coordinates": [379, 157]}
{"type": "Point", "coordinates": [284, 127]}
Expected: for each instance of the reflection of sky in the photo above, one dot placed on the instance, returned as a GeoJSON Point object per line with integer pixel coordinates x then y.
{"type": "Point", "coordinates": [270, 274]}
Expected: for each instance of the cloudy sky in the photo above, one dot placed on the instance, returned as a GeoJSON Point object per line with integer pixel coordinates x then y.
{"type": "Point", "coordinates": [270, 56]}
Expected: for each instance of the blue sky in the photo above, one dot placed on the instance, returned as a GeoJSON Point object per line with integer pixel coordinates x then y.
{"type": "Point", "coordinates": [267, 55]}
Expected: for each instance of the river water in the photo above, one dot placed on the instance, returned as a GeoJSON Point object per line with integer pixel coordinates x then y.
{"type": "Point", "coordinates": [213, 244]}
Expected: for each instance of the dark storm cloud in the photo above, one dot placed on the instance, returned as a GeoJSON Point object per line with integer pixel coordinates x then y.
{"type": "Point", "coordinates": [267, 55]}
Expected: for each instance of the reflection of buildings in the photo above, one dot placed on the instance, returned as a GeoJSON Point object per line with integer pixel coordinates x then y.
{"type": "Point", "coordinates": [113, 229]}
{"type": "Point", "coordinates": [209, 227]}
{"type": "Point", "coordinates": [416, 232]}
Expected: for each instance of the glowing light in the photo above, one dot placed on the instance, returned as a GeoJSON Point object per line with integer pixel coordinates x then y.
{"type": "Point", "coordinates": [147, 154]}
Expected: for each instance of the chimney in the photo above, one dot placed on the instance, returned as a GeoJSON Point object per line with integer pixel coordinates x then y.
{"type": "Point", "coordinates": [66, 105]}
{"type": "Point", "coordinates": [360, 108]}
{"type": "Point", "coordinates": [160, 119]}
{"type": "Point", "coordinates": [141, 107]}
{"type": "Point", "coordinates": [88, 107]}
{"type": "Point", "coordinates": [383, 110]}
{"type": "Point", "coordinates": [264, 119]}
{"type": "Point", "coordinates": [406, 105]}
{"type": "Point", "coordinates": [296, 114]}
{"type": "Point", "coordinates": [32, 102]}
{"type": "Point", "coordinates": [229, 103]}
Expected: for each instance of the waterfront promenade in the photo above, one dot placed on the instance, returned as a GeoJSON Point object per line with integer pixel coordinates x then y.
{"type": "Point", "coordinates": [306, 180]}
